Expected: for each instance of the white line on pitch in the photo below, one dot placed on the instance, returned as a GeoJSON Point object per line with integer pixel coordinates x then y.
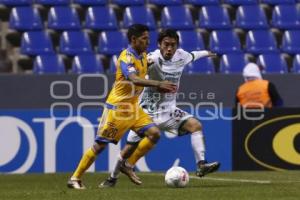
{"type": "Point", "coordinates": [233, 180]}
{"type": "Point", "coordinates": [246, 180]}
{"type": "Point", "coordinates": [221, 179]}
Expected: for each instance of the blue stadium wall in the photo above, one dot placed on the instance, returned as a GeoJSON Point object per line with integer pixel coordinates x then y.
{"type": "Point", "coordinates": [46, 123]}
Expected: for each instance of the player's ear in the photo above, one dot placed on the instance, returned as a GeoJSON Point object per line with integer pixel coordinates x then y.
{"type": "Point", "coordinates": [133, 38]}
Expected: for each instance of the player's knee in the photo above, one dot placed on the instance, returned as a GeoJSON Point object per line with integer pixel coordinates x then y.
{"type": "Point", "coordinates": [194, 125]}
{"type": "Point", "coordinates": [153, 134]}
{"type": "Point", "coordinates": [98, 147]}
{"type": "Point", "coordinates": [197, 126]}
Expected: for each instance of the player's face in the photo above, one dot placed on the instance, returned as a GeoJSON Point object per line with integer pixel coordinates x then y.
{"type": "Point", "coordinates": [141, 43]}
{"type": "Point", "coordinates": [168, 47]}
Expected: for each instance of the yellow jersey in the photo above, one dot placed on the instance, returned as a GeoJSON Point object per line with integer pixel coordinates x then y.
{"type": "Point", "coordinates": [124, 91]}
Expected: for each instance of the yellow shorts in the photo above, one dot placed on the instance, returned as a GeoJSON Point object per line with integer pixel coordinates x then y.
{"type": "Point", "coordinates": [115, 121]}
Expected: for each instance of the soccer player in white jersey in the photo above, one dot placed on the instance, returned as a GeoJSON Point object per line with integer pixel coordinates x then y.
{"type": "Point", "coordinates": [166, 63]}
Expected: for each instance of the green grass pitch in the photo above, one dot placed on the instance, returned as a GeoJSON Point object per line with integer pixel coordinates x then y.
{"type": "Point", "coordinates": [217, 186]}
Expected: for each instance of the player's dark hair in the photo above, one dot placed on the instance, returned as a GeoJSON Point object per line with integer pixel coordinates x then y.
{"type": "Point", "coordinates": [168, 33]}
{"type": "Point", "coordinates": [136, 30]}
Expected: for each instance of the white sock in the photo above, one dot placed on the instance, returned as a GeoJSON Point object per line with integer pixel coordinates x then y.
{"type": "Point", "coordinates": [116, 171]}
{"type": "Point", "coordinates": [198, 145]}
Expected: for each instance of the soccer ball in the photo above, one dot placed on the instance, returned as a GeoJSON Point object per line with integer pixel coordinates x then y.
{"type": "Point", "coordinates": [177, 177]}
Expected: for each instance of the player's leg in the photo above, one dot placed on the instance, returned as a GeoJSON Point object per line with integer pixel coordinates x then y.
{"type": "Point", "coordinates": [110, 131]}
{"type": "Point", "coordinates": [152, 135]}
{"type": "Point", "coordinates": [146, 141]}
{"type": "Point", "coordinates": [88, 157]}
{"type": "Point", "coordinates": [145, 128]}
{"type": "Point", "coordinates": [120, 163]}
{"type": "Point", "coordinates": [126, 152]}
{"type": "Point", "coordinates": [194, 127]}
{"type": "Point", "coordinates": [143, 125]}
{"type": "Point", "coordinates": [86, 161]}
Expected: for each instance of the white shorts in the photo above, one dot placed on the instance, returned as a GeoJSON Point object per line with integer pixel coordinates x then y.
{"type": "Point", "coordinates": [170, 120]}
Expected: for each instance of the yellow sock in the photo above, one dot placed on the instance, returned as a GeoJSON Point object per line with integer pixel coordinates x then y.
{"type": "Point", "coordinates": [86, 161]}
{"type": "Point", "coordinates": [144, 147]}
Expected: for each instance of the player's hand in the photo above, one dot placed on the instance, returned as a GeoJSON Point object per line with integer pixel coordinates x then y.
{"type": "Point", "coordinates": [167, 87]}
{"type": "Point", "coordinates": [211, 54]}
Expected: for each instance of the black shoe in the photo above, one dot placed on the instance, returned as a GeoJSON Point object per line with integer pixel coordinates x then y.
{"type": "Point", "coordinates": [75, 184]}
{"type": "Point", "coordinates": [206, 168]}
{"type": "Point", "coordinates": [109, 182]}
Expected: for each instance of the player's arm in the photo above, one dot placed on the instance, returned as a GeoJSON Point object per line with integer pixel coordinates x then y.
{"type": "Point", "coordinates": [201, 54]}
{"type": "Point", "coordinates": [164, 85]}
{"type": "Point", "coordinates": [195, 55]}
{"type": "Point", "coordinates": [130, 73]}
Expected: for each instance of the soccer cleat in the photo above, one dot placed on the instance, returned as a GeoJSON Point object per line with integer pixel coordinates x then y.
{"type": "Point", "coordinates": [75, 184]}
{"type": "Point", "coordinates": [128, 171]}
{"type": "Point", "coordinates": [206, 168]}
{"type": "Point", "coordinates": [109, 182]}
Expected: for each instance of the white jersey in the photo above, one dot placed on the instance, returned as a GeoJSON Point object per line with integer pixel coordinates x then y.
{"type": "Point", "coordinates": [171, 70]}
{"type": "Point", "coordinates": [161, 106]}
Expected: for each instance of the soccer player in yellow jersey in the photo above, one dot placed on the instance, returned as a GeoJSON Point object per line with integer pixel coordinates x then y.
{"type": "Point", "coordinates": [122, 112]}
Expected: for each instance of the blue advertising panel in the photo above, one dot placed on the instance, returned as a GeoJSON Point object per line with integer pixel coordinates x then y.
{"type": "Point", "coordinates": [36, 141]}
